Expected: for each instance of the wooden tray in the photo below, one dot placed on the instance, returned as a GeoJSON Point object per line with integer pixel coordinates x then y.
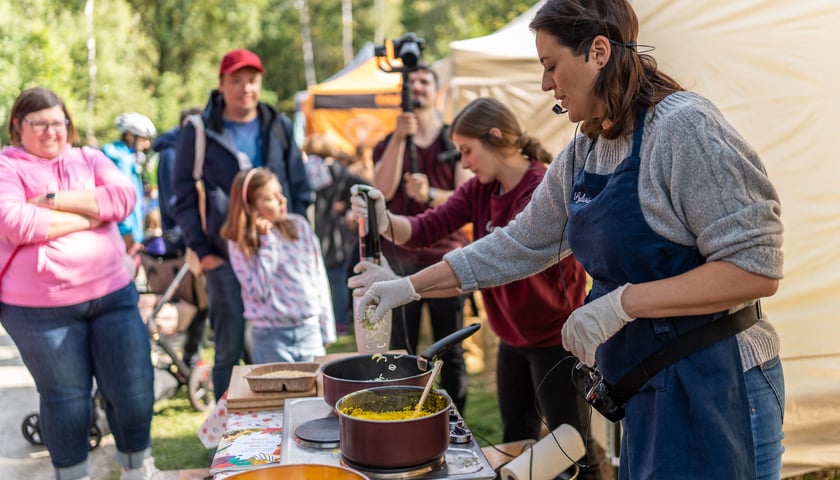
{"type": "Point", "coordinates": [262, 378]}
{"type": "Point", "coordinates": [241, 398]}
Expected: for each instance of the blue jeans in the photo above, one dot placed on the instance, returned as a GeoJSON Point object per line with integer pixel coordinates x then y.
{"type": "Point", "coordinates": [766, 393]}
{"type": "Point", "coordinates": [64, 348]}
{"type": "Point", "coordinates": [227, 320]}
{"type": "Point", "coordinates": [292, 344]}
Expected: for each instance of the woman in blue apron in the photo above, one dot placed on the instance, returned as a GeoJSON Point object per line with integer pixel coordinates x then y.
{"type": "Point", "coordinates": [672, 214]}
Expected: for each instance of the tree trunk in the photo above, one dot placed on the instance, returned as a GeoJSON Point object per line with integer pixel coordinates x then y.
{"type": "Point", "coordinates": [347, 30]}
{"type": "Point", "coordinates": [91, 100]}
{"type": "Point", "coordinates": [306, 34]}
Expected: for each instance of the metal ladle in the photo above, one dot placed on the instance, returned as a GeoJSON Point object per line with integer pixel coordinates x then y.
{"type": "Point", "coordinates": [435, 369]}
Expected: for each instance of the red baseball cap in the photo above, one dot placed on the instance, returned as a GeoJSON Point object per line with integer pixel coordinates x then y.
{"type": "Point", "coordinates": [240, 58]}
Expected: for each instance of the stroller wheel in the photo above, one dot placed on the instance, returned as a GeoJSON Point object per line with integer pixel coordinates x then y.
{"type": "Point", "coordinates": [31, 430]}
{"type": "Point", "coordinates": [94, 437]}
{"type": "Point", "coordinates": [200, 387]}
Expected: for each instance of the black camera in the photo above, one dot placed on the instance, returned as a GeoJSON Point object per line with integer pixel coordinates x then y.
{"type": "Point", "coordinates": [597, 393]}
{"type": "Point", "coordinates": [408, 48]}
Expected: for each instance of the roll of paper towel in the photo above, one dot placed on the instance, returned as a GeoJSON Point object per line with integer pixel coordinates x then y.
{"type": "Point", "coordinates": [548, 459]}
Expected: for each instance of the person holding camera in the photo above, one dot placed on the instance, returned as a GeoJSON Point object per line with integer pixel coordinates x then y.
{"type": "Point", "coordinates": [419, 139]}
{"type": "Point", "coordinates": [673, 215]}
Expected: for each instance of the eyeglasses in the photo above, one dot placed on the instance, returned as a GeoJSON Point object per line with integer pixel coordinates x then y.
{"type": "Point", "coordinates": [40, 126]}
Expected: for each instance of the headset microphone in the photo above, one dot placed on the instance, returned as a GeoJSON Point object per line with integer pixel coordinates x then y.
{"type": "Point", "coordinates": [558, 110]}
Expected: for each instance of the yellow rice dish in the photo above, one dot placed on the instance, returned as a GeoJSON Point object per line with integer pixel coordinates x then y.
{"type": "Point", "coordinates": [404, 414]}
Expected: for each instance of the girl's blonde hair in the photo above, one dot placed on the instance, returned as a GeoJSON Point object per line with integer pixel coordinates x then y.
{"type": "Point", "coordinates": [240, 227]}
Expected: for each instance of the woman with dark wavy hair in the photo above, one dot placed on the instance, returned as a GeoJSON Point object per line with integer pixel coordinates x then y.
{"type": "Point", "coordinates": [533, 369]}
{"type": "Point", "coordinates": [672, 214]}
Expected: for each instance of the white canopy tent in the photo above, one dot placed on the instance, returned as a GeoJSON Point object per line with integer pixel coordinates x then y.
{"type": "Point", "coordinates": [770, 66]}
{"type": "Point", "coordinates": [504, 65]}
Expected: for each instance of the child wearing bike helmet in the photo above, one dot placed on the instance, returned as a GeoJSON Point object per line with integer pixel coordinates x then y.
{"type": "Point", "coordinates": [136, 133]}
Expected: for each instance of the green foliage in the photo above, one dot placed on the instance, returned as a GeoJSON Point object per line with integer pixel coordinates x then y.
{"type": "Point", "coordinates": [32, 52]}
{"type": "Point", "coordinates": [439, 24]}
{"type": "Point", "coordinates": [157, 57]}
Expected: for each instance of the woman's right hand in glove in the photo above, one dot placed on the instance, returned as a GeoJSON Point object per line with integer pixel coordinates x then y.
{"type": "Point", "coordinates": [384, 297]}
{"type": "Point", "coordinates": [359, 205]}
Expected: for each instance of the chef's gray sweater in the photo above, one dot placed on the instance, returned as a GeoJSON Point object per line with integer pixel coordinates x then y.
{"type": "Point", "coordinates": [700, 185]}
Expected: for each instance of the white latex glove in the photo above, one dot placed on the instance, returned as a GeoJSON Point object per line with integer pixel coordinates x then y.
{"type": "Point", "coordinates": [368, 274]}
{"type": "Point", "coordinates": [593, 324]}
{"type": "Point", "coordinates": [359, 206]}
{"type": "Point", "coordinates": [386, 296]}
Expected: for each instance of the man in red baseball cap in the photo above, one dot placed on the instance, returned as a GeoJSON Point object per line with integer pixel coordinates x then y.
{"type": "Point", "coordinates": [240, 133]}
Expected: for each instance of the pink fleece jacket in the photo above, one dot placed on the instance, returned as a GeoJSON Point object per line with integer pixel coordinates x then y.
{"type": "Point", "coordinates": [73, 268]}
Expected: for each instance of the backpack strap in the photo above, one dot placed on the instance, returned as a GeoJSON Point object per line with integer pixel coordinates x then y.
{"type": "Point", "coordinates": [198, 167]}
{"type": "Point", "coordinates": [449, 153]}
{"type": "Point", "coordinates": [283, 135]}
{"type": "Point", "coordinates": [200, 145]}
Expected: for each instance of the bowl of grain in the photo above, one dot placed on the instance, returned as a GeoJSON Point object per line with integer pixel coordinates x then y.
{"type": "Point", "coordinates": [283, 377]}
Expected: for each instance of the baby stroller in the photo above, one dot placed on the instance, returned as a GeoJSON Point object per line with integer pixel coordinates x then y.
{"type": "Point", "coordinates": [169, 281]}
{"type": "Point", "coordinates": [31, 428]}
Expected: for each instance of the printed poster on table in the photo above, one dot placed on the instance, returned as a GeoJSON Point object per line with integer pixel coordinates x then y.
{"type": "Point", "coordinates": [247, 448]}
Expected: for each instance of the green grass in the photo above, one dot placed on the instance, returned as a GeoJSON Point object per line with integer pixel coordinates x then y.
{"type": "Point", "coordinates": [482, 415]}
{"type": "Point", "coordinates": [175, 441]}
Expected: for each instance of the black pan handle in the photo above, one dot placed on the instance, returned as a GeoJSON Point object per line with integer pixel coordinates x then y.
{"type": "Point", "coordinates": [437, 349]}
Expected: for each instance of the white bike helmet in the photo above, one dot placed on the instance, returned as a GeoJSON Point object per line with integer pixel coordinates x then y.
{"type": "Point", "coordinates": [136, 124]}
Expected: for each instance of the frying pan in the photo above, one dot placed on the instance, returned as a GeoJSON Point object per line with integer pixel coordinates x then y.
{"type": "Point", "coordinates": [351, 374]}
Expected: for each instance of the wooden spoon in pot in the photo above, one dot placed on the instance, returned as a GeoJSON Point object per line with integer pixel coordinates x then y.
{"type": "Point", "coordinates": [429, 382]}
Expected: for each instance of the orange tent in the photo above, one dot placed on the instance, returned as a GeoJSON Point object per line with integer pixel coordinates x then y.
{"type": "Point", "coordinates": [360, 106]}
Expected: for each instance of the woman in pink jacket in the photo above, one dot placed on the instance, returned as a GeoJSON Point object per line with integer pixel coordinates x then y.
{"type": "Point", "coordinates": [66, 297]}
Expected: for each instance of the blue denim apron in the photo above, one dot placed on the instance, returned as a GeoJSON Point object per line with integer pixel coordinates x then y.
{"type": "Point", "coordinates": [691, 420]}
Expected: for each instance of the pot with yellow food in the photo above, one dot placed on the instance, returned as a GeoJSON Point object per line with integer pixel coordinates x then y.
{"type": "Point", "coordinates": [381, 427]}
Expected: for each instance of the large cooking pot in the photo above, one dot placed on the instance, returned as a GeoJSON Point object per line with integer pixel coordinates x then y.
{"type": "Point", "coordinates": [300, 472]}
{"type": "Point", "coordinates": [351, 374]}
{"type": "Point", "coordinates": [402, 443]}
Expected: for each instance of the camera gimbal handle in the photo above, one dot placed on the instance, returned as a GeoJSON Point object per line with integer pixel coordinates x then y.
{"type": "Point", "coordinates": [408, 106]}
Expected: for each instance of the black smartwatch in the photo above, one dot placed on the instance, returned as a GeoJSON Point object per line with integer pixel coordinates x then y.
{"type": "Point", "coordinates": [431, 195]}
{"type": "Point", "coordinates": [50, 199]}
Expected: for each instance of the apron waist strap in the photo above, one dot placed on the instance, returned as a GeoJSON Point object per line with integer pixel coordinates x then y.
{"type": "Point", "coordinates": [683, 346]}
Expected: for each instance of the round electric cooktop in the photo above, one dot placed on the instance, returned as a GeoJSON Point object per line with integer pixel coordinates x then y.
{"type": "Point", "coordinates": [319, 433]}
